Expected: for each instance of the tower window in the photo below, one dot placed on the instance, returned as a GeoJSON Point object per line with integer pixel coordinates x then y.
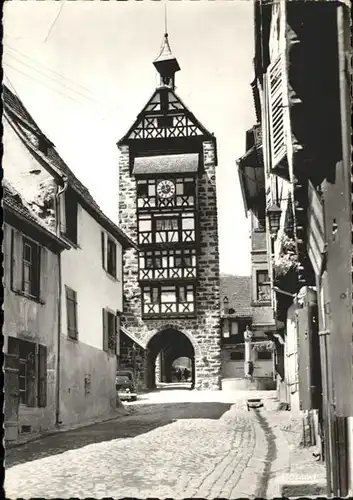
{"type": "Point", "coordinates": [165, 121]}
{"type": "Point", "coordinates": [168, 300]}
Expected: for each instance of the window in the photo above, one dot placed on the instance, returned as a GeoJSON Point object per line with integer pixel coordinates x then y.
{"type": "Point", "coordinates": [71, 309]}
{"type": "Point", "coordinates": [30, 268]}
{"type": "Point", "coordinates": [264, 355]}
{"type": "Point", "coordinates": [237, 356]}
{"type": "Point", "coordinates": [111, 257]}
{"type": "Point", "coordinates": [109, 331]}
{"type": "Point", "coordinates": [71, 208]}
{"type": "Point", "coordinates": [167, 224]}
{"type": "Point", "coordinates": [263, 287]}
{"type": "Point", "coordinates": [167, 264]}
{"type": "Point", "coordinates": [163, 299]}
{"type": "Point", "coordinates": [31, 362]}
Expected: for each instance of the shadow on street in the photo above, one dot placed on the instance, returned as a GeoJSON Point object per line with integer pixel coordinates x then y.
{"type": "Point", "coordinates": [142, 421]}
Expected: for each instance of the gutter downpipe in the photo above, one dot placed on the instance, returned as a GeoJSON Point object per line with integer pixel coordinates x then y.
{"type": "Point", "coordinates": [58, 225]}
{"type": "Point", "coordinates": [345, 104]}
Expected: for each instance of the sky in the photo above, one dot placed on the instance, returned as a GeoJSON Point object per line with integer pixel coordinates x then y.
{"type": "Point", "coordinates": [84, 71]}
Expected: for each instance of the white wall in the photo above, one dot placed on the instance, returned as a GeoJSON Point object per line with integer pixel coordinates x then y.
{"type": "Point", "coordinates": [82, 271]}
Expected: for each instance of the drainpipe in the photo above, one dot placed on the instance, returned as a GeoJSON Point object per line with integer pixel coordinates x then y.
{"type": "Point", "coordinates": [58, 221]}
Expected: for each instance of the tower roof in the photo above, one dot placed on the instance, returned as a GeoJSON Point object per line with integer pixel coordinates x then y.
{"type": "Point", "coordinates": [166, 64]}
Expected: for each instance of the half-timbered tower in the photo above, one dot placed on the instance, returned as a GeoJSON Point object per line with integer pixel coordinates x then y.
{"type": "Point", "coordinates": [168, 206]}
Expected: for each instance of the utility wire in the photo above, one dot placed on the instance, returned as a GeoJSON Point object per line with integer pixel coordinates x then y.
{"type": "Point", "coordinates": [55, 20]}
{"type": "Point", "coordinates": [45, 67]}
{"type": "Point", "coordinates": [40, 82]}
{"type": "Point", "coordinates": [56, 76]}
{"type": "Point", "coordinates": [49, 77]}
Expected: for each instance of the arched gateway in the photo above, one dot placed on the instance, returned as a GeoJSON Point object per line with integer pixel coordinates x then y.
{"type": "Point", "coordinates": [168, 206]}
{"type": "Point", "coordinates": [169, 344]}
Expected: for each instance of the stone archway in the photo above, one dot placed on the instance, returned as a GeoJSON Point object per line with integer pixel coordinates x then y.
{"type": "Point", "coordinates": [173, 344]}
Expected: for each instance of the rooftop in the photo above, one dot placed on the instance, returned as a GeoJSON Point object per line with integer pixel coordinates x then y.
{"type": "Point", "coordinates": [238, 291]}
{"type": "Point", "coordinates": [15, 110]}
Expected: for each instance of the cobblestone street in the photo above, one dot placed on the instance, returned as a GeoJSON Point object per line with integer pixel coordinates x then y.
{"type": "Point", "coordinates": [172, 444]}
{"type": "Point", "coordinates": [197, 444]}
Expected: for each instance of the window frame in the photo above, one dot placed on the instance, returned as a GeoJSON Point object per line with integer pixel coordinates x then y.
{"type": "Point", "coordinates": [110, 333]}
{"type": "Point", "coordinates": [112, 262]}
{"type": "Point", "coordinates": [34, 267]}
{"type": "Point", "coordinates": [155, 293]}
{"type": "Point", "coordinates": [269, 358]}
{"type": "Point", "coordinates": [264, 282]}
{"type": "Point", "coordinates": [32, 354]}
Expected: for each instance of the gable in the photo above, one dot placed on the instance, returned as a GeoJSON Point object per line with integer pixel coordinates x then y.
{"type": "Point", "coordinates": [165, 116]}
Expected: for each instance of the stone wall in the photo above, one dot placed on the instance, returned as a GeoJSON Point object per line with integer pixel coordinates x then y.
{"type": "Point", "coordinates": [203, 330]}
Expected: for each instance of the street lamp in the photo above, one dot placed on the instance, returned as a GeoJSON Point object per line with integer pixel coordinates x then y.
{"type": "Point", "coordinates": [226, 320]}
{"type": "Point", "coordinates": [274, 217]}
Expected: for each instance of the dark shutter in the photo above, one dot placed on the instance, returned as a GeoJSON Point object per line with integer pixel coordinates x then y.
{"type": "Point", "coordinates": [105, 329]}
{"type": "Point", "coordinates": [117, 330]}
{"type": "Point", "coordinates": [42, 375]}
{"type": "Point", "coordinates": [103, 249]}
{"type": "Point", "coordinates": [338, 227]}
{"type": "Point", "coordinates": [43, 272]}
{"type": "Point", "coordinates": [304, 358]}
{"type": "Point", "coordinates": [16, 260]}
{"type": "Point", "coordinates": [31, 364]}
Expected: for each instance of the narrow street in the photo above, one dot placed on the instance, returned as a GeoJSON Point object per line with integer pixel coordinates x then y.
{"type": "Point", "coordinates": [174, 443]}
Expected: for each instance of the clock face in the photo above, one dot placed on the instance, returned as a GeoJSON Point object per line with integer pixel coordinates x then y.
{"type": "Point", "coordinates": [165, 189]}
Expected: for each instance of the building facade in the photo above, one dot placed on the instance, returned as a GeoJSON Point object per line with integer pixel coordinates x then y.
{"type": "Point", "coordinates": [31, 298]}
{"type": "Point", "coordinates": [168, 206]}
{"type": "Point", "coordinates": [85, 282]}
{"type": "Point", "coordinates": [301, 94]}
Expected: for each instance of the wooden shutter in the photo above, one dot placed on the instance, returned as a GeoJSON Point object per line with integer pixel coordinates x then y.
{"type": "Point", "coordinates": [31, 364]}
{"type": "Point", "coordinates": [304, 358]}
{"type": "Point", "coordinates": [16, 260]}
{"type": "Point", "coordinates": [338, 227]}
{"type": "Point", "coordinates": [104, 249]}
{"type": "Point", "coordinates": [117, 330]}
{"type": "Point", "coordinates": [43, 272]}
{"type": "Point", "coordinates": [42, 375]}
{"type": "Point", "coordinates": [276, 114]}
{"type": "Point", "coordinates": [105, 329]}
{"type": "Point", "coordinates": [12, 390]}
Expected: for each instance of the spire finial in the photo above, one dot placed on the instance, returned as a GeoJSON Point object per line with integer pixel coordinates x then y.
{"type": "Point", "coordinates": [165, 19]}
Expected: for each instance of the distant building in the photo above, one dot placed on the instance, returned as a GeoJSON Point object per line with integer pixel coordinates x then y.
{"type": "Point", "coordinates": [247, 352]}
{"type": "Point", "coordinates": [85, 323]}
{"type": "Point", "coordinates": [168, 206]}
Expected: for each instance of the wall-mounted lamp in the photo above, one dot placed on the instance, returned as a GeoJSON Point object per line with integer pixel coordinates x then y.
{"type": "Point", "coordinates": [274, 217]}
{"type": "Point", "coordinates": [226, 325]}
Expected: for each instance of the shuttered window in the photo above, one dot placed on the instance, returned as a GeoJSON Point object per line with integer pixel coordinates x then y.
{"type": "Point", "coordinates": [276, 111]}
{"type": "Point", "coordinates": [109, 331]}
{"type": "Point", "coordinates": [31, 371]}
{"type": "Point", "coordinates": [71, 310]}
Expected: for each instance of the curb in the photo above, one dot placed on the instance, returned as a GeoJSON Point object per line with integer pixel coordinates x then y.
{"type": "Point", "coordinates": [122, 413]}
{"type": "Point", "coordinates": [281, 483]}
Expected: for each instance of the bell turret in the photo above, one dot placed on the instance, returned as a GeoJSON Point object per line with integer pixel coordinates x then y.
{"type": "Point", "coordinates": [166, 64]}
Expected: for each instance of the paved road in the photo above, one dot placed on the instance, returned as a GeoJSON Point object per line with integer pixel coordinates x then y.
{"type": "Point", "coordinates": [194, 445]}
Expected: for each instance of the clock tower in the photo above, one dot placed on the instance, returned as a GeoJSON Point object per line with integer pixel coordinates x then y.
{"type": "Point", "coordinates": [168, 206]}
